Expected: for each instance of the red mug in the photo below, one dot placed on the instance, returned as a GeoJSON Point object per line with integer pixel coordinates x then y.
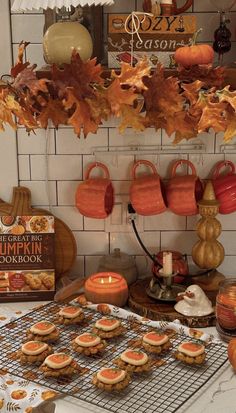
{"type": "Point", "coordinates": [95, 196]}
{"type": "Point", "coordinates": [225, 187]}
{"type": "Point", "coordinates": [184, 191]}
{"type": "Point", "coordinates": [147, 192]}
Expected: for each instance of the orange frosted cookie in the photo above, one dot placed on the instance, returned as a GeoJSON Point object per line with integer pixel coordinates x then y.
{"type": "Point", "coordinates": [111, 379]}
{"type": "Point", "coordinates": [108, 328]}
{"type": "Point", "coordinates": [59, 365]}
{"type": "Point", "coordinates": [88, 344]}
{"type": "Point", "coordinates": [34, 352]}
{"type": "Point", "coordinates": [43, 331]}
{"type": "Point", "coordinates": [155, 342]}
{"type": "Point", "coordinates": [70, 315]}
{"type": "Point", "coordinates": [134, 361]}
{"type": "Point", "coordinates": [191, 353]}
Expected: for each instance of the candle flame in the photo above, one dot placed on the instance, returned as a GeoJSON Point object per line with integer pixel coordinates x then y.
{"type": "Point", "coordinates": [109, 279]}
{"type": "Point", "coordinates": [102, 281]}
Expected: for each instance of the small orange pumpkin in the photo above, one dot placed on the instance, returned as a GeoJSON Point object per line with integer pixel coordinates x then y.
{"type": "Point", "coordinates": [195, 54]}
{"type": "Point", "coordinates": [232, 352]}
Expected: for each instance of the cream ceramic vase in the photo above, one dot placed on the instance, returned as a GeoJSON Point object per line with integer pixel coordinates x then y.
{"type": "Point", "coordinates": [62, 37]}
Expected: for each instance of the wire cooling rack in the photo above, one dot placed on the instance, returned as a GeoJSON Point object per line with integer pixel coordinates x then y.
{"type": "Point", "coordinates": [163, 390]}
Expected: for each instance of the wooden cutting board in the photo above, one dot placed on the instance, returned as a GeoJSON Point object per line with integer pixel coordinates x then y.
{"type": "Point", "coordinates": [148, 307]}
{"type": "Point", "coordinates": [65, 244]}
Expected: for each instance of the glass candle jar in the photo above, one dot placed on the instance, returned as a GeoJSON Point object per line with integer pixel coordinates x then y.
{"type": "Point", "coordinates": [226, 305]}
{"type": "Point", "coordinates": [166, 7]}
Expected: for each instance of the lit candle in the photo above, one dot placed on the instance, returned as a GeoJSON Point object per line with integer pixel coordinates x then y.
{"type": "Point", "coordinates": [106, 287]}
{"type": "Point", "coordinates": [167, 263]}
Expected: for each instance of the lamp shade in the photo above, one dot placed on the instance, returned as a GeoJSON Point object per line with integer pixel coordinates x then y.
{"type": "Point", "coordinates": [24, 5]}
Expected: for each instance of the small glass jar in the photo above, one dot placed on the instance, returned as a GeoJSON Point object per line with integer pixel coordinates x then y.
{"type": "Point", "coordinates": [166, 7]}
{"type": "Point", "coordinates": [226, 307]}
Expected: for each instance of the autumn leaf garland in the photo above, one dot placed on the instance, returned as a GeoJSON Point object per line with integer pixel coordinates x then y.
{"type": "Point", "coordinates": [79, 95]}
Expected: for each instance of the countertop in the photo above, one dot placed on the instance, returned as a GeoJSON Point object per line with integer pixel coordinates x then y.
{"type": "Point", "coordinates": [218, 396]}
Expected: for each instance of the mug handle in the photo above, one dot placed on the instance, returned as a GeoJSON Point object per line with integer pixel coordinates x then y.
{"type": "Point", "coordinates": [95, 165]}
{"type": "Point", "coordinates": [180, 162]}
{"type": "Point", "coordinates": [219, 165]}
{"type": "Point", "coordinates": [143, 162]}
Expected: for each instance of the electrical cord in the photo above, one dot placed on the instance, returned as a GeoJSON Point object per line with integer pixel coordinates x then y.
{"type": "Point", "coordinates": [153, 258]}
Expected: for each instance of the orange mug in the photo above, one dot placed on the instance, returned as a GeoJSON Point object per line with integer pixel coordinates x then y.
{"type": "Point", "coordinates": [147, 192]}
{"type": "Point", "coordinates": [184, 191]}
{"type": "Point", "coordinates": [95, 196]}
{"type": "Point", "coordinates": [225, 187]}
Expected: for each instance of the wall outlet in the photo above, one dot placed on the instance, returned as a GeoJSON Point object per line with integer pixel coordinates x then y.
{"type": "Point", "coordinates": [120, 218]}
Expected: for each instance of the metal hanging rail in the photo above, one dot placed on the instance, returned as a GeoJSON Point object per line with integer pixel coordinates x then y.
{"type": "Point", "coordinates": [136, 149]}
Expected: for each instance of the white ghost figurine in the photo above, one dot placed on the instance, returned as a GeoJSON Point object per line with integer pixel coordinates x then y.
{"type": "Point", "coordinates": [193, 302]}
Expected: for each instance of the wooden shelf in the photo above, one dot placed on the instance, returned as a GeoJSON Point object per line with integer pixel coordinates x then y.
{"type": "Point", "coordinates": [230, 78]}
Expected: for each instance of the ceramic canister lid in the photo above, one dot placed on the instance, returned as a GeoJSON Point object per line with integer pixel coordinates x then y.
{"type": "Point", "coordinates": [118, 261]}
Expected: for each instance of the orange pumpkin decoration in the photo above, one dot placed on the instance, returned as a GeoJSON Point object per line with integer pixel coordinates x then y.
{"type": "Point", "coordinates": [195, 54]}
{"type": "Point", "coordinates": [232, 352]}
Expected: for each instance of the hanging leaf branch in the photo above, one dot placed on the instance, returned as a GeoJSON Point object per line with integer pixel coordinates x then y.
{"type": "Point", "coordinates": [79, 95]}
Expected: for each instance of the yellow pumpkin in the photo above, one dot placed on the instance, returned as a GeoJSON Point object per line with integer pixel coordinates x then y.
{"type": "Point", "coordinates": [207, 254]}
{"type": "Point", "coordinates": [232, 352]}
{"type": "Point", "coordinates": [208, 228]}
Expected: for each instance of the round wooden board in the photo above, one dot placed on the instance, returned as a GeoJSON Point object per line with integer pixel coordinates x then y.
{"type": "Point", "coordinates": [65, 244]}
{"type": "Point", "coordinates": [148, 307]}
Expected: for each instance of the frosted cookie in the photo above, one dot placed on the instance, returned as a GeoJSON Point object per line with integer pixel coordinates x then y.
{"type": "Point", "coordinates": [70, 315]}
{"type": "Point", "coordinates": [155, 342]}
{"type": "Point", "coordinates": [59, 365]}
{"type": "Point", "coordinates": [135, 361]}
{"type": "Point", "coordinates": [111, 379]}
{"type": "Point", "coordinates": [108, 328]}
{"type": "Point", "coordinates": [34, 352]}
{"type": "Point", "coordinates": [43, 331]}
{"type": "Point", "coordinates": [88, 344]}
{"type": "Point", "coordinates": [190, 353]}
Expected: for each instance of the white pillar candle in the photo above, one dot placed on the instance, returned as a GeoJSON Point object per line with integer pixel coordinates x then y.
{"type": "Point", "coordinates": [167, 263]}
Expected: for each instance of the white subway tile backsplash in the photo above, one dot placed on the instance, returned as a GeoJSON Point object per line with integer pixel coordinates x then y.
{"type": "Point", "coordinates": [77, 270]}
{"type": "Point", "coordinates": [130, 138]}
{"type": "Point", "coordinates": [70, 215]}
{"type": "Point", "coordinates": [36, 143]}
{"type": "Point", "coordinates": [34, 54]}
{"type": "Point", "coordinates": [181, 241]}
{"type": "Point", "coordinates": [68, 143]}
{"type": "Point", "coordinates": [27, 28]}
{"type": "Point", "coordinates": [127, 242]}
{"type": "Point", "coordinates": [164, 222]}
{"type": "Point", "coordinates": [205, 164]}
{"type": "Point", "coordinates": [91, 265]}
{"type": "Point", "coordinates": [227, 238]}
{"type": "Point", "coordinates": [60, 167]}
{"type": "Point", "coordinates": [66, 192]}
{"type": "Point", "coordinates": [228, 266]}
{"type": "Point", "coordinates": [92, 242]}
{"type": "Point", "coordinates": [93, 224]}
{"type": "Point", "coordinates": [41, 194]}
{"type": "Point", "coordinates": [24, 167]}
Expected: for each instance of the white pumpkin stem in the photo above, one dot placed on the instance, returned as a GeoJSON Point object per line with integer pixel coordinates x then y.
{"type": "Point", "coordinates": [195, 36]}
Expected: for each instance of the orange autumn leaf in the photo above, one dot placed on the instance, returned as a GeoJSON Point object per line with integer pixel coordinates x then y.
{"type": "Point", "coordinates": [230, 131]}
{"type": "Point", "coordinates": [212, 116]}
{"type": "Point", "coordinates": [209, 75]}
{"type": "Point", "coordinates": [6, 116]}
{"type": "Point", "coordinates": [226, 95]}
{"type": "Point", "coordinates": [27, 78]}
{"type": "Point", "coordinates": [81, 118]}
{"type": "Point", "coordinates": [130, 117]}
{"type": "Point", "coordinates": [185, 127]}
{"type": "Point", "coordinates": [22, 112]}
{"type": "Point", "coordinates": [19, 66]}
{"type": "Point", "coordinates": [53, 110]}
{"type": "Point", "coordinates": [79, 75]}
{"type": "Point", "coordinates": [133, 76]}
{"type": "Point", "coordinates": [191, 91]}
{"type": "Point", "coordinates": [163, 95]}
{"type": "Point", "coordinates": [117, 96]}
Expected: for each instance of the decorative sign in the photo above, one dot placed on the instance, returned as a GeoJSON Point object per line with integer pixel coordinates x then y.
{"type": "Point", "coordinates": [160, 37]}
{"type": "Point", "coordinates": [27, 258]}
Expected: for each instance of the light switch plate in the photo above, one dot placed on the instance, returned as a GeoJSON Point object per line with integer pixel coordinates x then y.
{"type": "Point", "coordinates": [119, 220]}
